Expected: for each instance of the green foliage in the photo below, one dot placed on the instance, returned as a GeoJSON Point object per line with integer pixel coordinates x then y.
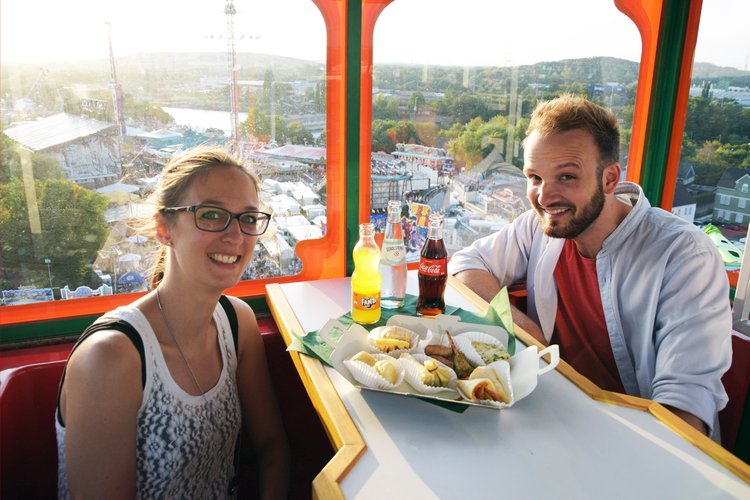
{"type": "Point", "coordinates": [72, 231]}
{"type": "Point", "coordinates": [296, 133]}
{"type": "Point", "coordinates": [469, 145]}
{"type": "Point", "coordinates": [43, 167]}
{"type": "Point", "coordinates": [9, 166]}
{"type": "Point", "coordinates": [258, 124]}
{"type": "Point", "coordinates": [717, 137]}
{"type": "Point", "coordinates": [385, 108]}
{"type": "Point", "coordinates": [709, 119]}
{"type": "Point", "coordinates": [387, 133]}
{"type": "Point", "coordinates": [463, 107]}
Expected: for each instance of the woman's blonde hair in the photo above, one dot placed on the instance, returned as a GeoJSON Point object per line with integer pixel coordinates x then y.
{"type": "Point", "coordinates": [177, 177]}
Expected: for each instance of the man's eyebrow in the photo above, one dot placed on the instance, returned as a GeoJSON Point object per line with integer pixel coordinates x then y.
{"type": "Point", "coordinates": [568, 164]}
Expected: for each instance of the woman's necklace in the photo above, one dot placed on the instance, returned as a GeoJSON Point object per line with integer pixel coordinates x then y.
{"type": "Point", "coordinates": [179, 349]}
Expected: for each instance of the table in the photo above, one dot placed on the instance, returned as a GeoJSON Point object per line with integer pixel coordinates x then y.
{"type": "Point", "coordinates": [568, 439]}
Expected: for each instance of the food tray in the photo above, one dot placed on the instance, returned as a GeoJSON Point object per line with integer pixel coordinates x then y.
{"type": "Point", "coordinates": [524, 365]}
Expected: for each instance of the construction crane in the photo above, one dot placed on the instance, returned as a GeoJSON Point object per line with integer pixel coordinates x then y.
{"type": "Point", "coordinates": [42, 73]}
{"type": "Point", "coordinates": [230, 11]}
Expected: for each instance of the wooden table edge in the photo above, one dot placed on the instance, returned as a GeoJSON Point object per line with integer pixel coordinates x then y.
{"type": "Point", "coordinates": [336, 420]}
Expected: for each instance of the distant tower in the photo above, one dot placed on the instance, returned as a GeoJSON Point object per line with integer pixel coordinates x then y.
{"type": "Point", "coordinates": [119, 111]}
{"type": "Point", "coordinates": [234, 99]}
{"type": "Point", "coordinates": [117, 107]}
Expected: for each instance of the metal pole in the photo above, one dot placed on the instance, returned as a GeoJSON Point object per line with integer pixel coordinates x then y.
{"type": "Point", "coordinates": [49, 272]}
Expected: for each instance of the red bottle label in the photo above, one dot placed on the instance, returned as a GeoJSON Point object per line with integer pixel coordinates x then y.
{"type": "Point", "coordinates": [433, 267]}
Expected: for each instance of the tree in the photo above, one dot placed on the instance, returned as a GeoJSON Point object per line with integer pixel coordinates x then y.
{"type": "Point", "coordinates": [296, 133]}
{"type": "Point", "coordinates": [42, 166]}
{"type": "Point", "coordinates": [72, 231]}
{"type": "Point", "coordinates": [384, 108]}
{"type": "Point", "coordinates": [468, 145]}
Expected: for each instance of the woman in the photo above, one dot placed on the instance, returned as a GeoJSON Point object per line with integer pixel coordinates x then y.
{"type": "Point", "coordinates": [163, 423]}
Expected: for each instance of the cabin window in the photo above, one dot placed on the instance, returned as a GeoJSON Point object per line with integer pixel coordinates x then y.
{"type": "Point", "coordinates": [716, 140]}
{"type": "Point", "coordinates": [449, 112]}
{"type": "Point", "coordinates": [95, 106]}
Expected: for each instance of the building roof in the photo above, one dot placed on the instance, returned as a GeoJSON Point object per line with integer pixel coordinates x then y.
{"type": "Point", "coordinates": [161, 134]}
{"type": "Point", "coordinates": [54, 130]}
{"type": "Point", "coordinates": [730, 177]}
{"type": "Point", "coordinates": [305, 154]}
{"type": "Point", "coordinates": [682, 196]}
{"type": "Point", "coordinates": [118, 187]}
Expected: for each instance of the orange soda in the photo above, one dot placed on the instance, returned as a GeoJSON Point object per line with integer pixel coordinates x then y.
{"type": "Point", "coordinates": [366, 279]}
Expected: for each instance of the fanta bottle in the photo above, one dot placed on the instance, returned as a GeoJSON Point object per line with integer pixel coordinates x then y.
{"type": "Point", "coordinates": [366, 279]}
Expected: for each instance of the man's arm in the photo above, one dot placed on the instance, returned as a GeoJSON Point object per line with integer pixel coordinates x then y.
{"type": "Point", "coordinates": [486, 286]}
{"type": "Point", "coordinates": [692, 337]}
{"type": "Point", "coordinates": [480, 282]}
{"type": "Point", "coordinates": [689, 418]}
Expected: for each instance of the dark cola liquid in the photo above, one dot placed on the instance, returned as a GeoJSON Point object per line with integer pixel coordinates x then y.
{"type": "Point", "coordinates": [433, 275]}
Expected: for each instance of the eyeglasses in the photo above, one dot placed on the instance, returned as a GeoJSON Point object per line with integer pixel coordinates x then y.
{"type": "Point", "coordinates": [216, 219]}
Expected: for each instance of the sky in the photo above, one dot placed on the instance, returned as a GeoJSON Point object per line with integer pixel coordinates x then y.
{"type": "Point", "coordinates": [444, 32]}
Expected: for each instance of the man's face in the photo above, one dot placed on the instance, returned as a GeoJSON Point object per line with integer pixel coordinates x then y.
{"type": "Point", "coordinates": [564, 182]}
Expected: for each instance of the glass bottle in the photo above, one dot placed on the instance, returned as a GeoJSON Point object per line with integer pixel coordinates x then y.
{"type": "Point", "coordinates": [393, 260]}
{"type": "Point", "coordinates": [366, 280]}
{"type": "Point", "coordinates": [433, 270]}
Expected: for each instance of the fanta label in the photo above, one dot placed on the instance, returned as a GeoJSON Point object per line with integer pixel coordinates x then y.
{"type": "Point", "coordinates": [433, 267]}
{"type": "Point", "coordinates": [365, 302]}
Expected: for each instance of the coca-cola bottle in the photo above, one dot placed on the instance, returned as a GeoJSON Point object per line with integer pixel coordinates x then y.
{"type": "Point", "coordinates": [393, 260]}
{"type": "Point", "coordinates": [433, 270]}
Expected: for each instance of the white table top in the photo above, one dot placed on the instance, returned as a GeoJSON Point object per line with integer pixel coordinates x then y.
{"type": "Point", "coordinates": [557, 442]}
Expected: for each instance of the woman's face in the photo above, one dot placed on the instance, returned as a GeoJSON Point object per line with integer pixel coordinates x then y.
{"type": "Point", "coordinates": [213, 259]}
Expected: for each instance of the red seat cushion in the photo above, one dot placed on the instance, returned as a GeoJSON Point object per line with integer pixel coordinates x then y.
{"type": "Point", "coordinates": [736, 381]}
{"type": "Point", "coordinates": [28, 447]}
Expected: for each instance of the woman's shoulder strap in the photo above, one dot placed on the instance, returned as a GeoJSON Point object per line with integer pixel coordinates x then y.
{"type": "Point", "coordinates": [232, 317]}
{"type": "Point", "coordinates": [115, 324]}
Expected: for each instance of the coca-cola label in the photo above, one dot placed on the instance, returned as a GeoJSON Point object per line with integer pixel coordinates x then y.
{"type": "Point", "coordinates": [365, 301]}
{"type": "Point", "coordinates": [433, 267]}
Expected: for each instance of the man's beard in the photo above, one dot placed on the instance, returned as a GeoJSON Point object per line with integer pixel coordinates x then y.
{"type": "Point", "coordinates": [578, 223]}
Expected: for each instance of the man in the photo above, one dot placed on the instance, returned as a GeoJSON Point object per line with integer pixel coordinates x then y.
{"type": "Point", "coordinates": [636, 298]}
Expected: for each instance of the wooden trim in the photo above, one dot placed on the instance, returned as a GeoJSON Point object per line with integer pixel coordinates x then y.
{"type": "Point", "coordinates": [336, 420]}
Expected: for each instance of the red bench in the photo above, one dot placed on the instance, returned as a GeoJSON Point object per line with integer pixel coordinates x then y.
{"type": "Point", "coordinates": [28, 448]}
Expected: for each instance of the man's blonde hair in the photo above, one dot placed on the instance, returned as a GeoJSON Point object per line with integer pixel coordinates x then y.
{"type": "Point", "coordinates": [571, 112]}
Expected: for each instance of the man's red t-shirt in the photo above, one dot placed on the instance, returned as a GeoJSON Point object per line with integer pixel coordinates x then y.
{"type": "Point", "coordinates": [580, 327]}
